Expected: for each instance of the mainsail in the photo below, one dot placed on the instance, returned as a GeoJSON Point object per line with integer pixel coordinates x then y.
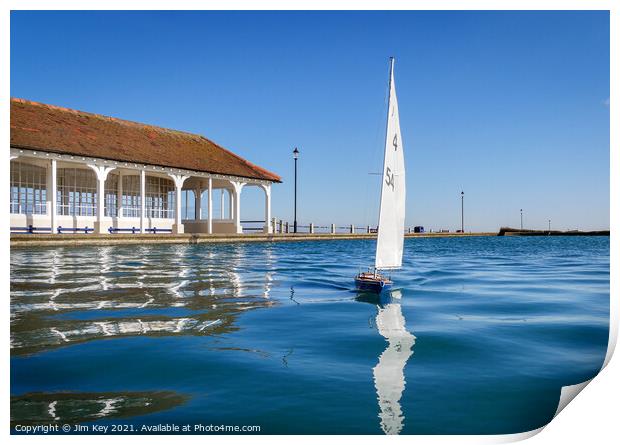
{"type": "Point", "coordinates": [391, 229]}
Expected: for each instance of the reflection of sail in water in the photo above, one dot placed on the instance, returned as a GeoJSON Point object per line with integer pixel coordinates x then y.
{"type": "Point", "coordinates": [269, 264]}
{"type": "Point", "coordinates": [388, 374]}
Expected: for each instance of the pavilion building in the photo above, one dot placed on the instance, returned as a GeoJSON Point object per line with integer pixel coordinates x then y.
{"type": "Point", "coordinates": [71, 169]}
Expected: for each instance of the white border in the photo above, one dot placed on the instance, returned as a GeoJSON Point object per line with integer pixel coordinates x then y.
{"type": "Point", "coordinates": [591, 419]}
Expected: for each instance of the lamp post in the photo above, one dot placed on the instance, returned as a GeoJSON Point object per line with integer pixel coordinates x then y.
{"type": "Point", "coordinates": [521, 219]}
{"type": "Point", "coordinates": [462, 214]}
{"type": "Point", "coordinates": [295, 156]}
{"type": "Point", "coordinates": [549, 225]}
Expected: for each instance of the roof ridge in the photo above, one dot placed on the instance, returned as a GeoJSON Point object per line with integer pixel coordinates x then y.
{"type": "Point", "coordinates": [103, 116]}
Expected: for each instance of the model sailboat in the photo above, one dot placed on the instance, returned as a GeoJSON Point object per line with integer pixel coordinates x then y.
{"type": "Point", "coordinates": [391, 229]}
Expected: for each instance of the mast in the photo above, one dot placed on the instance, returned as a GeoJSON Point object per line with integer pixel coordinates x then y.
{"type": "Point", "coordinates": [387, 124]}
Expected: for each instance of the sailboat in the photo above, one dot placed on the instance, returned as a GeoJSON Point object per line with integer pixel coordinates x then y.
{"type": "Point", "coordinates": [391, 229]}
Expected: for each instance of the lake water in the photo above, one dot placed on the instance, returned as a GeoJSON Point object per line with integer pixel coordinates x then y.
{"type": "Point", "coordinates": [478, 337]}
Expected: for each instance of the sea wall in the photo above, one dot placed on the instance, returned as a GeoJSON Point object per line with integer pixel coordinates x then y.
{"type": "Point", "coordinates": [42, 240]}
{"type": "Point", "coordinates": [507, 231]}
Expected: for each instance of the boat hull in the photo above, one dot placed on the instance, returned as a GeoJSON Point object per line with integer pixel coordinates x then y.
{"type": "Point", "coordinates": [372, 282]}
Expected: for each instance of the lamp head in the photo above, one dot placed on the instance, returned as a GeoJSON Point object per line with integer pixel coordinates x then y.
{"type": "Point", "coordinates": [295, 153]}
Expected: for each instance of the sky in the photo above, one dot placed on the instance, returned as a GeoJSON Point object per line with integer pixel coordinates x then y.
{"type": "Point", "coordinates": [512, 108]}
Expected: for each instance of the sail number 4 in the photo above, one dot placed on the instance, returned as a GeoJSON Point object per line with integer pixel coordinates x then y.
{"type": "Point", "coordinates": [389, 177]}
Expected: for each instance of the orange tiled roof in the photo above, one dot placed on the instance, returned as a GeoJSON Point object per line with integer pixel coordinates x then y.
{"type": "Point", "coordinates": [38, 126]}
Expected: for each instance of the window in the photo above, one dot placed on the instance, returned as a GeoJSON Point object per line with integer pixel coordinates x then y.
{"type": "Point", "coordinates": [111, 195]}
{"type": "Point", "coordinates": [77, 192]}
{"type": "Point", "coordinates": [28, 188]}
{"type": "Point", "coordinates": [131, 196]}
{"type": "Point", "coordinates": [160, 197]}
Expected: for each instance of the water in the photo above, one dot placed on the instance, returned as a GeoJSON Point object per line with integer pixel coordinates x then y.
{"type": "Point", "coordinates": [478, 337]}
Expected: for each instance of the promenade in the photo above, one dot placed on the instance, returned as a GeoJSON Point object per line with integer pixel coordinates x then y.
{"type": "Point", "coordinates": [42, 240]}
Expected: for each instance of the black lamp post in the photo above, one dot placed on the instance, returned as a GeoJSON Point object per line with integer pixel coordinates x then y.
{"type": "Point", "coordinates": [295, 156]}
{"type": "Point", "coordinates": [521, 219]}
{"type": "Point", "coordinates": [462, 213]}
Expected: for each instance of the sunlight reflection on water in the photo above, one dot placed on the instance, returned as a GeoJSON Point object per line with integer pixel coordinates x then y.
{"type": "Point", "coordinates": [495, 323]}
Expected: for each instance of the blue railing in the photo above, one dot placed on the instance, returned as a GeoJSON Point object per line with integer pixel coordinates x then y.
{"type": "Point", "coordinates": [31, 229]}
{"type": "Point", "coordinates": [117, 230]}
{"type": "Point", "coordinates": [86, 229]}
{"type": "Point", "coordinates": [137, 230]}
{"type": "Point", "coordinates": [156, 230]}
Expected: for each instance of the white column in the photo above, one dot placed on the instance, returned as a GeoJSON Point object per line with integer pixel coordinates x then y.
{"type": "Point", "coordinates": [210, 223]}
{"type": "Point", "coordinates": [119, 196]}
{"type": "Point", "coordinates": [268, 228]}
{"type": "Point", "coordinates": [142, 200]}
{"type": "Point", "coordinates": [231, 204]}
{"type": "Point", "coordinates": [178, 183]}
{"type": "Point", "coordinates": [198, 203]}
{"type": "Point", "coordinates": [238, 186]}
{"type": "Point", "coordinates": [222, 205]}
{"type": "Point", "coordinates": [51, 198]}
{"type": "Point", "coordinates": [102, 173]}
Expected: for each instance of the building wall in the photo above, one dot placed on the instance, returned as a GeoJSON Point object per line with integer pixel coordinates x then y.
{"type": "Point", "coordinates": [66, 221]}
{"type": "Point", "coordinates": [42, 159]}
{"type": "Point", "coordinates": [219, 226]}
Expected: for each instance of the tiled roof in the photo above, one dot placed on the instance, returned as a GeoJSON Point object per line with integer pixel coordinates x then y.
{"type": "Point", "coordinates": [38, 126]}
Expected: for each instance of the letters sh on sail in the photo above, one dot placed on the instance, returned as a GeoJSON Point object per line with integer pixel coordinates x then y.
{"type": "Point", "coordinates": [391, 230]}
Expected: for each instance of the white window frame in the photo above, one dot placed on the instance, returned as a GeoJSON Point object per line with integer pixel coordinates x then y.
{"type": "Point", "coordinates": [111, 195]}
{"type": "Point", "coordinates": [160, 197]}
{"type": "Point", "coordinates": [131, 196]}
{"type": "Point", "coordinates": [28, 191]}
{"type": "Point", "coordinates": [76, 191]}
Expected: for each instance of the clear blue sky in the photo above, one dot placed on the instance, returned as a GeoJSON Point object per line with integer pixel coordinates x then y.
{"type": "Point", "coordinates": [511, 107]}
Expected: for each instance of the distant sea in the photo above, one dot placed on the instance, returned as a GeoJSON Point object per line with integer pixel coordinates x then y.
{"type": "Point", "coordinates": [478, 336]}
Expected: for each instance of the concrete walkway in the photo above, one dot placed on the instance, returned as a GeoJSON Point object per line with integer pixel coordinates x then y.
{"type": "Point", "coordinates": [41, 240]}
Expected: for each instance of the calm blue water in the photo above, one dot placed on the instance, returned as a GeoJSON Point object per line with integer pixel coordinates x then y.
{"type": "Point", "coordinates": [479, 336]}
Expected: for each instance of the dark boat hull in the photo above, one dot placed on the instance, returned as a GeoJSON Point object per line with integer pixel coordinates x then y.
{"type": "Point", "coordinates": [370, 282]}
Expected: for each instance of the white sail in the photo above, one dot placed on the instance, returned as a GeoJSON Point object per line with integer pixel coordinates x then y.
{"type": "Point", "coordinates": [391, 229]}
